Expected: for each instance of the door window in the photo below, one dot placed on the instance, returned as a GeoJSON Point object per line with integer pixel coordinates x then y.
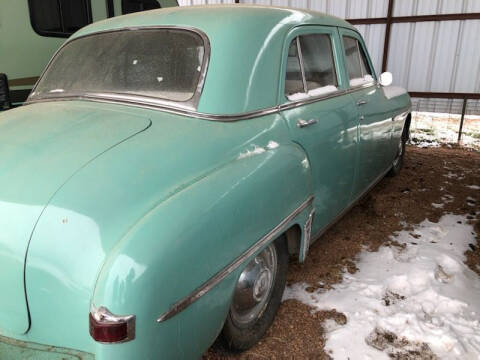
{"type": "Point", "coordinates": [310, 67]}
{"type": "Point", "coordinates": [59, 18]}
{"type": "Point", "coordinates": [359, 71]}
{"type": "Point", "coordinates": [132, 6]}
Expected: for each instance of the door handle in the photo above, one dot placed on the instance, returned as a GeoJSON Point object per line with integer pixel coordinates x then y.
{"type": "Point", "coordinates": [302, 123]}
{"type": "Point", "coordinates": [361, 102]}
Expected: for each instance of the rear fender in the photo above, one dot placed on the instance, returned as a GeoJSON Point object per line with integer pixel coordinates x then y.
{"type": "Point", "coordinates": [186, 240]}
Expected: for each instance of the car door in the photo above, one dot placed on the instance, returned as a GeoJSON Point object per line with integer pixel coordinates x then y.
{"type": "Point", "coordinates": [321, 117]}
{"type": "Point", "coordinates": [376, 126]}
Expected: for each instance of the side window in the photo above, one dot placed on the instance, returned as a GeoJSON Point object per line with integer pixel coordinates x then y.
{"type": "Point", "coordinates": [318, 61]}
{"type": "Point", "coordinates": [59, 18]}
{"type": "Point", "coordinates": [132, 6]}
{"type": "Point", "coordinates": [359, 71]}
{"type": "Point", "coordinates": [310, 67]}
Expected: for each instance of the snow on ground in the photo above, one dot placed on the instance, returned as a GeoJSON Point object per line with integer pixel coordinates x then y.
{"type": "Point", "coordinates": [418, 297]}
{"type": "Point", "coordinates": [435, 129]}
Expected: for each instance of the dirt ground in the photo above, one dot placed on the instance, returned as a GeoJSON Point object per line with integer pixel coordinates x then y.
{"type": "Point", "coordinates": [432, 175]}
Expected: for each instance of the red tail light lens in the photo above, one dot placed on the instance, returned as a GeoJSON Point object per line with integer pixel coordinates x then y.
{"type": "Point", "coordinates": [108, 328]}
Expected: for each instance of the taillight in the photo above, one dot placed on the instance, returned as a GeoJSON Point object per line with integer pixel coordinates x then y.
{"type": "Point", "coordinates": [108, 328]}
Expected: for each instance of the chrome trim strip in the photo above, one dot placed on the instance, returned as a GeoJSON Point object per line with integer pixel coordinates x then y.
{"type": "Point", "coordinates": [190, 104]}
{"type": "Point", "coordinates": [302, 66]}
{"type": "Point", "coordinates": [307, 231]}
{"type": "Point", "coordinates": [182, 304]}
{"type": "Point", "coordinates": [131, 101]}
{"type": "Point", "coordinates": [165, 108]}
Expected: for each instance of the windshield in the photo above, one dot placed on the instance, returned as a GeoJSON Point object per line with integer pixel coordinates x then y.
{"type": "Point", "coordinates": [159, 63]}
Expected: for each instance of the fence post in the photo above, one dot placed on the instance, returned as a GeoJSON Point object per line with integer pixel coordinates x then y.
{"type": "Point", "coordinates": [464, 108]}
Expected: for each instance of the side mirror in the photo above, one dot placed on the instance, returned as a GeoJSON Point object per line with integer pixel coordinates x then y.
{"type": "Point", "coordinates": [386, 79]}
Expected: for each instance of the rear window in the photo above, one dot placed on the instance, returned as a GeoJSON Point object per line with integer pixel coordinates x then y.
{"type": "Point", "coordinates": [157, 63]}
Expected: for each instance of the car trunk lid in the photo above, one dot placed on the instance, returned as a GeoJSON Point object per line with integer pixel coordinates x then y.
{"type": "Point", "coordinates": [41, 146]}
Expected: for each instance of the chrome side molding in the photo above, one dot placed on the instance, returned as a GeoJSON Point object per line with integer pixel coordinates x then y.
{"type": "Point", "coordinates": [307, 234]}
{"type": "Point", "coordinates": [188, 110]}
{"type": "Point", "coordinates": [182, 304]}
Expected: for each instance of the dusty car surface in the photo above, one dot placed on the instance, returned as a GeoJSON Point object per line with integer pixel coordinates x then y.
{"type": "Point", "coordinates": [166, 165]}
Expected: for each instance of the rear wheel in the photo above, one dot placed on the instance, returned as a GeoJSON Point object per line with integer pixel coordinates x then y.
{"type": "Point", "coordinates": [257, 296]}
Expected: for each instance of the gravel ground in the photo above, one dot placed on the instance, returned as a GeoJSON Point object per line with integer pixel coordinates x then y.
{"type": "Point", "coordinates": [448, 176]}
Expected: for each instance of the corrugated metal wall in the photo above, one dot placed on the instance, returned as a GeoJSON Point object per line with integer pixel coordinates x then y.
{"type": "Point", "coordinates": [429, 56]}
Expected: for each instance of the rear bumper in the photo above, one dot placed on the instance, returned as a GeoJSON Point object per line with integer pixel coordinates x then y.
{"type": "Point", "coordinates": [11, 349]}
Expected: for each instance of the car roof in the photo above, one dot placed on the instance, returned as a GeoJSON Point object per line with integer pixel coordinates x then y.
{"type": "Point", "coordinates": [235, 16]}
{"type": "Point", "coordinates": [246, 44]}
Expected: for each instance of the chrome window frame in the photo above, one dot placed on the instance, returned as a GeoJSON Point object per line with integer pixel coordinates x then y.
{"type": "Point", "coordinates": [132, 99]}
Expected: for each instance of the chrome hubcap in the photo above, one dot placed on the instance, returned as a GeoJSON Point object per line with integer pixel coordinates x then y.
{"type": "Point", "coordinates": [254, 287]}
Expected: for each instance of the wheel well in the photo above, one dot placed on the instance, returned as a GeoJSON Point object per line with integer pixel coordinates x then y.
{"type": "Point", "coordinates": [294, 238]}
{"type": "Point", "coordinates": [406, 131]}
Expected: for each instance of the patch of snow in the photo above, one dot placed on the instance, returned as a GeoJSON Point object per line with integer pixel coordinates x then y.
{"type": "Point", "coordinates": [297, 96]}
{"type": "Point", "coordinates": [437, 206]}
{"type": "Point", "coordinates": [473, 187]}
{"type": "Point", "coordinates": [312, 93]}
{"type": "Point", "coordinates": [272, 145]}
{"type": "Point", "coordinates": [447, 198]}
{"type": "Point", "coordinates": [362, 80]}
{"type": "Point", "coordinates": [305, 163]}
{"type": "Point", "coordinates": [471, 201]}
{"type": "Point", "coordinates": [451, 175]}
{"type": "Point", "coordinates": [423, 293]}
{"type": "Point", "coordinates": [322, 90]}
{"type": "Point", "coordinates": [256, 150]}
{"type": "Point", "coordinates": [434, 129]}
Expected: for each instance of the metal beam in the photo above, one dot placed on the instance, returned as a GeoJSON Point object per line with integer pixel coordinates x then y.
{"type": "Point", "coordinates": [444, 95]}
{"type": "Point", "coordinates": [386, 43]}
{"type": "Point", "coordinates": [415, 18]}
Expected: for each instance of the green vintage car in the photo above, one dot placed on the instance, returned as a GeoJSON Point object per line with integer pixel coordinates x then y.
{"type": "Point", "coordinates": [165, 167]}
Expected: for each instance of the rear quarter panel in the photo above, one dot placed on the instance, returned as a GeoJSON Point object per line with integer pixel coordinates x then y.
{"type": "Point", "coordinates": [185, 240]}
